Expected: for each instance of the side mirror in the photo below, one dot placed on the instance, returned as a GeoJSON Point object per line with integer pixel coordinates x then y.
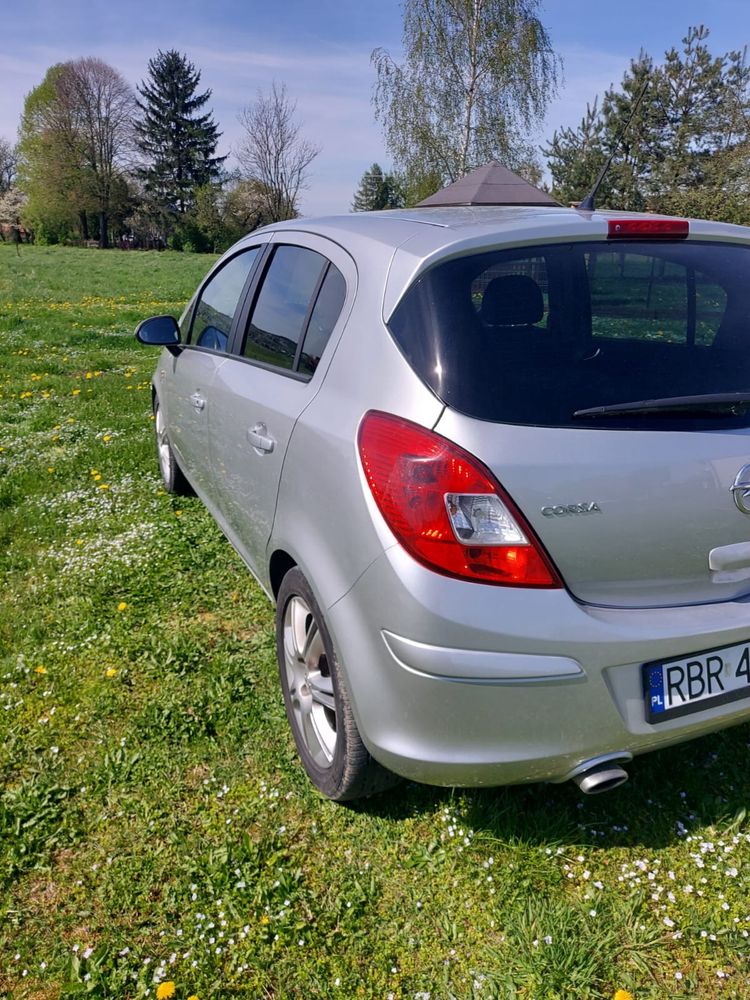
{"type": "Point", "coordinates": [159, 331]}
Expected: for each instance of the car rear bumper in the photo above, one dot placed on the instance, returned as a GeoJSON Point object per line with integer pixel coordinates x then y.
{"type": "Point", "coordinates": [466, 684]}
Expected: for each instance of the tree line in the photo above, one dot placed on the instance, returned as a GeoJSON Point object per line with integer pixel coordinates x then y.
{"type": "Point", "coordinates": [97, 160]}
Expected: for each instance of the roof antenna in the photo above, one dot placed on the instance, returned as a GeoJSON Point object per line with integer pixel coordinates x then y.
{"type": "Point", "coordinates": [587, 205]}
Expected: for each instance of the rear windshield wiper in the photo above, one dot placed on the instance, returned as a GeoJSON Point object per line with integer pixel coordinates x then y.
{"type": "Point", "coordinates": [720, 404]}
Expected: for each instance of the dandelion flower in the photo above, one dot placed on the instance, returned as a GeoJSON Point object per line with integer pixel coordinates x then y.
{"type": "Point", "coordinates": [165, 990]}
{"type": "Point", "coordinates": [623, 995]}
{"type": "Point", "coordinates": [40, 670]}
{"type": "Point", "coordinates": [112, 672]}
{"type": "Point", "coordinates": [106, 438]}
{"type": "Point", "coordinates": [264, 919]}
{"type": "Point", "coordinates": [193, 997]}
{"type": "Point", "coordinates": [121, 606]}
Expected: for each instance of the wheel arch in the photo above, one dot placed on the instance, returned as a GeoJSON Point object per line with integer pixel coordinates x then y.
{"type": "Point", "coordinates": [279, 565]}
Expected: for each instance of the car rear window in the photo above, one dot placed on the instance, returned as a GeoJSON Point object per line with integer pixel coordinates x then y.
{"type": "Point", "coordinates": [532, 336]}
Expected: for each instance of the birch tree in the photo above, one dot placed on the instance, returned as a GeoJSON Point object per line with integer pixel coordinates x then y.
{"type": "Point", "coordinates": [476, 79]}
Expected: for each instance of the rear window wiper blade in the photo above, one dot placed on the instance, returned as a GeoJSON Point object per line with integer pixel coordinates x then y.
{"type": "Point", "coordinates": [730, 404]}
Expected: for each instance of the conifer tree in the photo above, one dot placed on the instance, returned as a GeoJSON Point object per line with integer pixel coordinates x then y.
{"type": "Point", "coordinates": [377, 191]}
{"type": "Point", "coordinates": [177, 142]}
{"type": "Point", "coordinates": [685, 151]}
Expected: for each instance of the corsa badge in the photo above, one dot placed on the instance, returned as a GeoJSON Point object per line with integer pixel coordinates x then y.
{"type": "Point", "coordinates": [566, 510]}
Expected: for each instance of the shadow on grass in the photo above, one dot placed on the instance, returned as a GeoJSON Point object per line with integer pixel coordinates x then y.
{"type": "Point", "coordinates": [705, 782]}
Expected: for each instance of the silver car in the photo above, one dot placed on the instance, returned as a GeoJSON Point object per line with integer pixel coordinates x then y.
{"type": "Point", "coordinates": [493, 468]}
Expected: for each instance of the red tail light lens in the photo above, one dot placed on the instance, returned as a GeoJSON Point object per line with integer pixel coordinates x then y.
{"type": "Point", "coordinates": [446, 509]}
{"type": "Point", "coordinates": [628, 229]}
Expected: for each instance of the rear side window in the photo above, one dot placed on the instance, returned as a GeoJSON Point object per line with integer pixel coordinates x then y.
{"type": "Point", "coordinates": [326, 311]}
{"type": "Point", "coordinates": [214, 312]}
{"type": "Point", "coordinates": [532, 336]}
{"type": "Point", "coordinates": [281, 309]}
{"type": "Point", "coordinates": [295, 311]}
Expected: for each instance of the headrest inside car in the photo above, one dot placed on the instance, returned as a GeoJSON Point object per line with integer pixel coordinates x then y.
{"type": "Point", "coordinates": [512, 300]}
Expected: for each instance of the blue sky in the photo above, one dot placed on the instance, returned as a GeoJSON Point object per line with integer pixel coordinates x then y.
{"type": "Point", "coordinates": [321, 50]}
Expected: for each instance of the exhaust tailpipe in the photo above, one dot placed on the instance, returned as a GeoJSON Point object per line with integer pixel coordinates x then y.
{"type": "Point", "coordinates": [601, 778]}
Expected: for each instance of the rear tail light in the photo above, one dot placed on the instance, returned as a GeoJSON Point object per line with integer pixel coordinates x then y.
{"type": "Point", "coordinates": [628, 229]}
{"type": "Point", "coordinates": [446, 508]}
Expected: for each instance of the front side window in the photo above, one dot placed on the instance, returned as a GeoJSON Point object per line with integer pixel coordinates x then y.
{"type": "Point", "coordinates": [534, 336]}
{"type": "Point", "coordinates": [214, 312]}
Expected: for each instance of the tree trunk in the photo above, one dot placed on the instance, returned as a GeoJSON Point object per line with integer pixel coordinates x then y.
{"type": "Point", "coordinates": [103, 234]}
{"type": "Point", "coordinates": [84, 223]}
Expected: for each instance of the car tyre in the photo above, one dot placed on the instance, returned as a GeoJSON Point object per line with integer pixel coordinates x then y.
{"type": "Point", "coordinates": [172, 476]}
{"type": "Point", "coordinates": [317, 703]}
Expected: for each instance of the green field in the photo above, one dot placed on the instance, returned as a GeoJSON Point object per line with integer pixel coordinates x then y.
{"type": "Point", "coordinates": [154, 823]}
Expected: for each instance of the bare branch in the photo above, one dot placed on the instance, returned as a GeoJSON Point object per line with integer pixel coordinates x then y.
{"type": "Point", "coordinates": [274, 153]}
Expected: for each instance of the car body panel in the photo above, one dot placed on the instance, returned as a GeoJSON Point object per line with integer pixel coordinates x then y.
{"type": "Point", "coordinates": [484, 730]}
{"type": "Point", "coordinates": [265, 403]}
{"type": "Point", "coordinates": [663, 504]}
{"type": "Point", "coordinates": [187, 391]}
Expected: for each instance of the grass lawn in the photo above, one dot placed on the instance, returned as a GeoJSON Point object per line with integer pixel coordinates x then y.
{"type": "Point", "coordinates": [154, 823]}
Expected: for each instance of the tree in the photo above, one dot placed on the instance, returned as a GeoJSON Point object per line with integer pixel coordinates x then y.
{"type": "Point", "coordinates": [74, 137]}
{"type": "Point", "coordinates": [8, 161]}
{"type": "Point", "coordinates": [12, 207]}
{"type": "Point", "coordinates": [477, 77]}
{"type": "Point", "coordinates": [686, 149]}
{"type": "Point", "coordinates": [177, 143]}
{"type": "Point", "coordinates": [377, 191]}
{"type": "Point", "coordinates": [273, 152]}
{"type": "Point", "coordinates": [51, 163]}
{"type": "Point", "coordinates": [101, 105]}
{"type": "Point", "coordinates": [576, 155]}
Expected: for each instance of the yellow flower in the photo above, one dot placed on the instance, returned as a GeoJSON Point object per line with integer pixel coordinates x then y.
{"type": "Point", "coordinates": [165, 990]}
{"type": "Point", "coordinates": [40, 670]}
{"type": "Point", "coordinates": [103, 486]}
{"type": "Point", "coordinates": [112, 672]}
{"type": "Point", "coordinates": [619, 995]}
{"type": "Point", "coordinates": [264, 919]}
{"type": "Point", "coordinates": [121, 606]}
{"type": "Point", "coordinates": [106, 437]}
{"type": "Point", "coordinates": [76, 392]}
{"type": "Point", "coordinates": [193, 997]}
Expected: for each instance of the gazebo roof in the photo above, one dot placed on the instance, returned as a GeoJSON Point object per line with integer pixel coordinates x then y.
{"type": "Point", "coordinates": [491, 184]}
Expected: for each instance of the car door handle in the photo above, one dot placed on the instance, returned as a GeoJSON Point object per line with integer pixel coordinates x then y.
{"type": "Point", "coordinates": [198, 401]}
{"type": "Point", "coordinates": [259, 438]}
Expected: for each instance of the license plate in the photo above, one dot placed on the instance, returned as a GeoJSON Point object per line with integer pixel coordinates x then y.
{"type": "Point", "coordinates": [696, 682]}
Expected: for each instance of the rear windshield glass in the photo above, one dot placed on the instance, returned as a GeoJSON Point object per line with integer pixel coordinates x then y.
{"type": "Point", "coordinates": [534, 336]}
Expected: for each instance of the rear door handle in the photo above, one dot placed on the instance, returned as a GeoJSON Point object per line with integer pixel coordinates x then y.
{"type": "Point", "coordinates": [260, 439]}
{"type": "Point", "coordinates": [198, 401]}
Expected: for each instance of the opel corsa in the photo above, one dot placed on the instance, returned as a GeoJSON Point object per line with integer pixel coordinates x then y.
{"type": "Point", "coordinates": [493, 468]}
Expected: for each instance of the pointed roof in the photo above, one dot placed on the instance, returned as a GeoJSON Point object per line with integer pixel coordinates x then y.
{"type": "Point", "coordinates": [491, 184]}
